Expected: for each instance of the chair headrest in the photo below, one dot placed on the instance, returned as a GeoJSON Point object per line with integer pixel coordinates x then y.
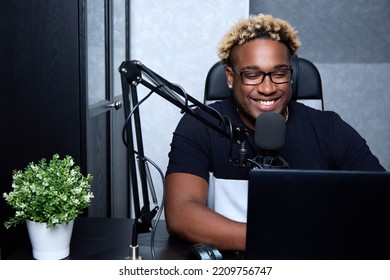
{"type": "Point", "coordinates": [306, 81]}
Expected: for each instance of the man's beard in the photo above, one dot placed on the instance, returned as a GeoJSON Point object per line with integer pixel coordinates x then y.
{"type": "Point", "coordinates": [241, 109]}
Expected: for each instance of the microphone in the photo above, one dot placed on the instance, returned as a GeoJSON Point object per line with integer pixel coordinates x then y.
{"type": "Point", "coordinates": [270, 129]}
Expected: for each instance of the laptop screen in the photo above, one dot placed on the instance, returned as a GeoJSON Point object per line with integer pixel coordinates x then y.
{"type": "Point", "coordinates": [307, 214]}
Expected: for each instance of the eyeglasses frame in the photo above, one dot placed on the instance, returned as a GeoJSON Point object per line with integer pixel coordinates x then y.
{"type": "Point", "coordinates": [239, 73]}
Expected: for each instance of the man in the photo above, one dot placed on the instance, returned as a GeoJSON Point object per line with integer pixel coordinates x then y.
{"type": "Point", "coordinates": [257, 57]}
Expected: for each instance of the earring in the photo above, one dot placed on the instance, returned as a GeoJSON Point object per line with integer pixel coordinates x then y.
{"type": "Point", "coordinates": [230, 86]}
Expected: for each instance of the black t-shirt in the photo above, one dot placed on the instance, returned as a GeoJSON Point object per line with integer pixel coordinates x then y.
{"type": "Point", "coordinates": [314, 139]}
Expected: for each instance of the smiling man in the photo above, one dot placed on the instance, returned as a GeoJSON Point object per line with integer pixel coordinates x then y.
{"type": "Point", "coordinates": [260, 78]}
{"type": "Point", "coordinates": [207, 194]}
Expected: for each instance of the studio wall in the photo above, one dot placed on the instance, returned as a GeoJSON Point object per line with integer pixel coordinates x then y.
{"type": "Point", "coordinates": [349, 43]}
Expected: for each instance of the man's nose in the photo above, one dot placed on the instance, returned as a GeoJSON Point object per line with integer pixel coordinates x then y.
{"type": "Point", "coordinates": [267, 86]}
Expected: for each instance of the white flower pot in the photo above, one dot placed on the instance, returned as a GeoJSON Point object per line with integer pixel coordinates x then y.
{"type": "Point", "coordinates": [52, 243]}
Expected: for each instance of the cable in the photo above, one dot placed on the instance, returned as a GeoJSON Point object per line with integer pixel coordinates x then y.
{"type": "Point", "coordinates": [160, 210]}
{"type": "Point", "coordinates": [124, 140]}
{"type": "Point", "coordinates": [159, 213]}
{"type": "Point", "coordinates": [255, 163]}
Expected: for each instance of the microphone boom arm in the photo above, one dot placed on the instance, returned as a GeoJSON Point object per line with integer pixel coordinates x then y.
{"type": "Point", "coordinates": [132, 74]}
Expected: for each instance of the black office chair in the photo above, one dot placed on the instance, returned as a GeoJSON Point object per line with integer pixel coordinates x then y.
{"type": "Point", "coordinates": [305, 76]}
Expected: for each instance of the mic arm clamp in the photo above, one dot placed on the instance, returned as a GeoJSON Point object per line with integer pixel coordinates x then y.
{"type": "Point", "coordinates": [240, 134]}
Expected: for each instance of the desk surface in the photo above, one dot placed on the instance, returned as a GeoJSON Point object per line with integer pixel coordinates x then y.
{"type": "Point", "coordinates": [109, 239]}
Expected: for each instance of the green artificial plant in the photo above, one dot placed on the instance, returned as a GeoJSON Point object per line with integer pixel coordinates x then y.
{"type": "Point", "coordinates": [53, 192]}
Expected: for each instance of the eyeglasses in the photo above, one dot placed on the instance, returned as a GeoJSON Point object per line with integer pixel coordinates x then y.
{"type": "Point", "coordinates": [256, 77]}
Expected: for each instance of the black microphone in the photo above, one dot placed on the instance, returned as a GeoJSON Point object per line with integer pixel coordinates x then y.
{"type": "Point", "coordinates": [270, 130]}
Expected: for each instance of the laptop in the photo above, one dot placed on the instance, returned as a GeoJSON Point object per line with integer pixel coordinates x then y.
{"type": "Point", "coordinates": [318, 215]}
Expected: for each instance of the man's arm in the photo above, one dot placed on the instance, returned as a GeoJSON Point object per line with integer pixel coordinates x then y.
{"type": "Point", "coordinates": [188, 217]}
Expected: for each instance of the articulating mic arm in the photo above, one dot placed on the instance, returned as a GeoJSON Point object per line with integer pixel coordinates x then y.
{"type": "Point", "coordinates": [134, 73]}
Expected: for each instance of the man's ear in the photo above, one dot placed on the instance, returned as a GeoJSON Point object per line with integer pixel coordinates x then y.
{"type": "Point", "coordinates": [229, 76]}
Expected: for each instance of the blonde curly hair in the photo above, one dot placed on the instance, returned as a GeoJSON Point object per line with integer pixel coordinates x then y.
{"type": "Point", "coordinates": [259, 26]}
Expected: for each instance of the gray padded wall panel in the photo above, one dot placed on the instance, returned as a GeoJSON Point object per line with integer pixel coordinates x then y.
{"type": "Point", "coordinates": [334, 31]}
{"type": "Point", "coordinates": [349, 43]}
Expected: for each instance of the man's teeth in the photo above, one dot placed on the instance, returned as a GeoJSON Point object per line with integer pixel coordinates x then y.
{"type": "Point", "coordinates": [266, 103]}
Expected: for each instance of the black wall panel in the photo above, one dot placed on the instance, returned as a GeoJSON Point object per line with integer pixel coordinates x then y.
{"type": "Point", "coordinates": [39, 90]}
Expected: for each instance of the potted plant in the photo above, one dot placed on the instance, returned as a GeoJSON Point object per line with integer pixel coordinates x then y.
{"type": "Point", "coordinates": [49, 195]}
